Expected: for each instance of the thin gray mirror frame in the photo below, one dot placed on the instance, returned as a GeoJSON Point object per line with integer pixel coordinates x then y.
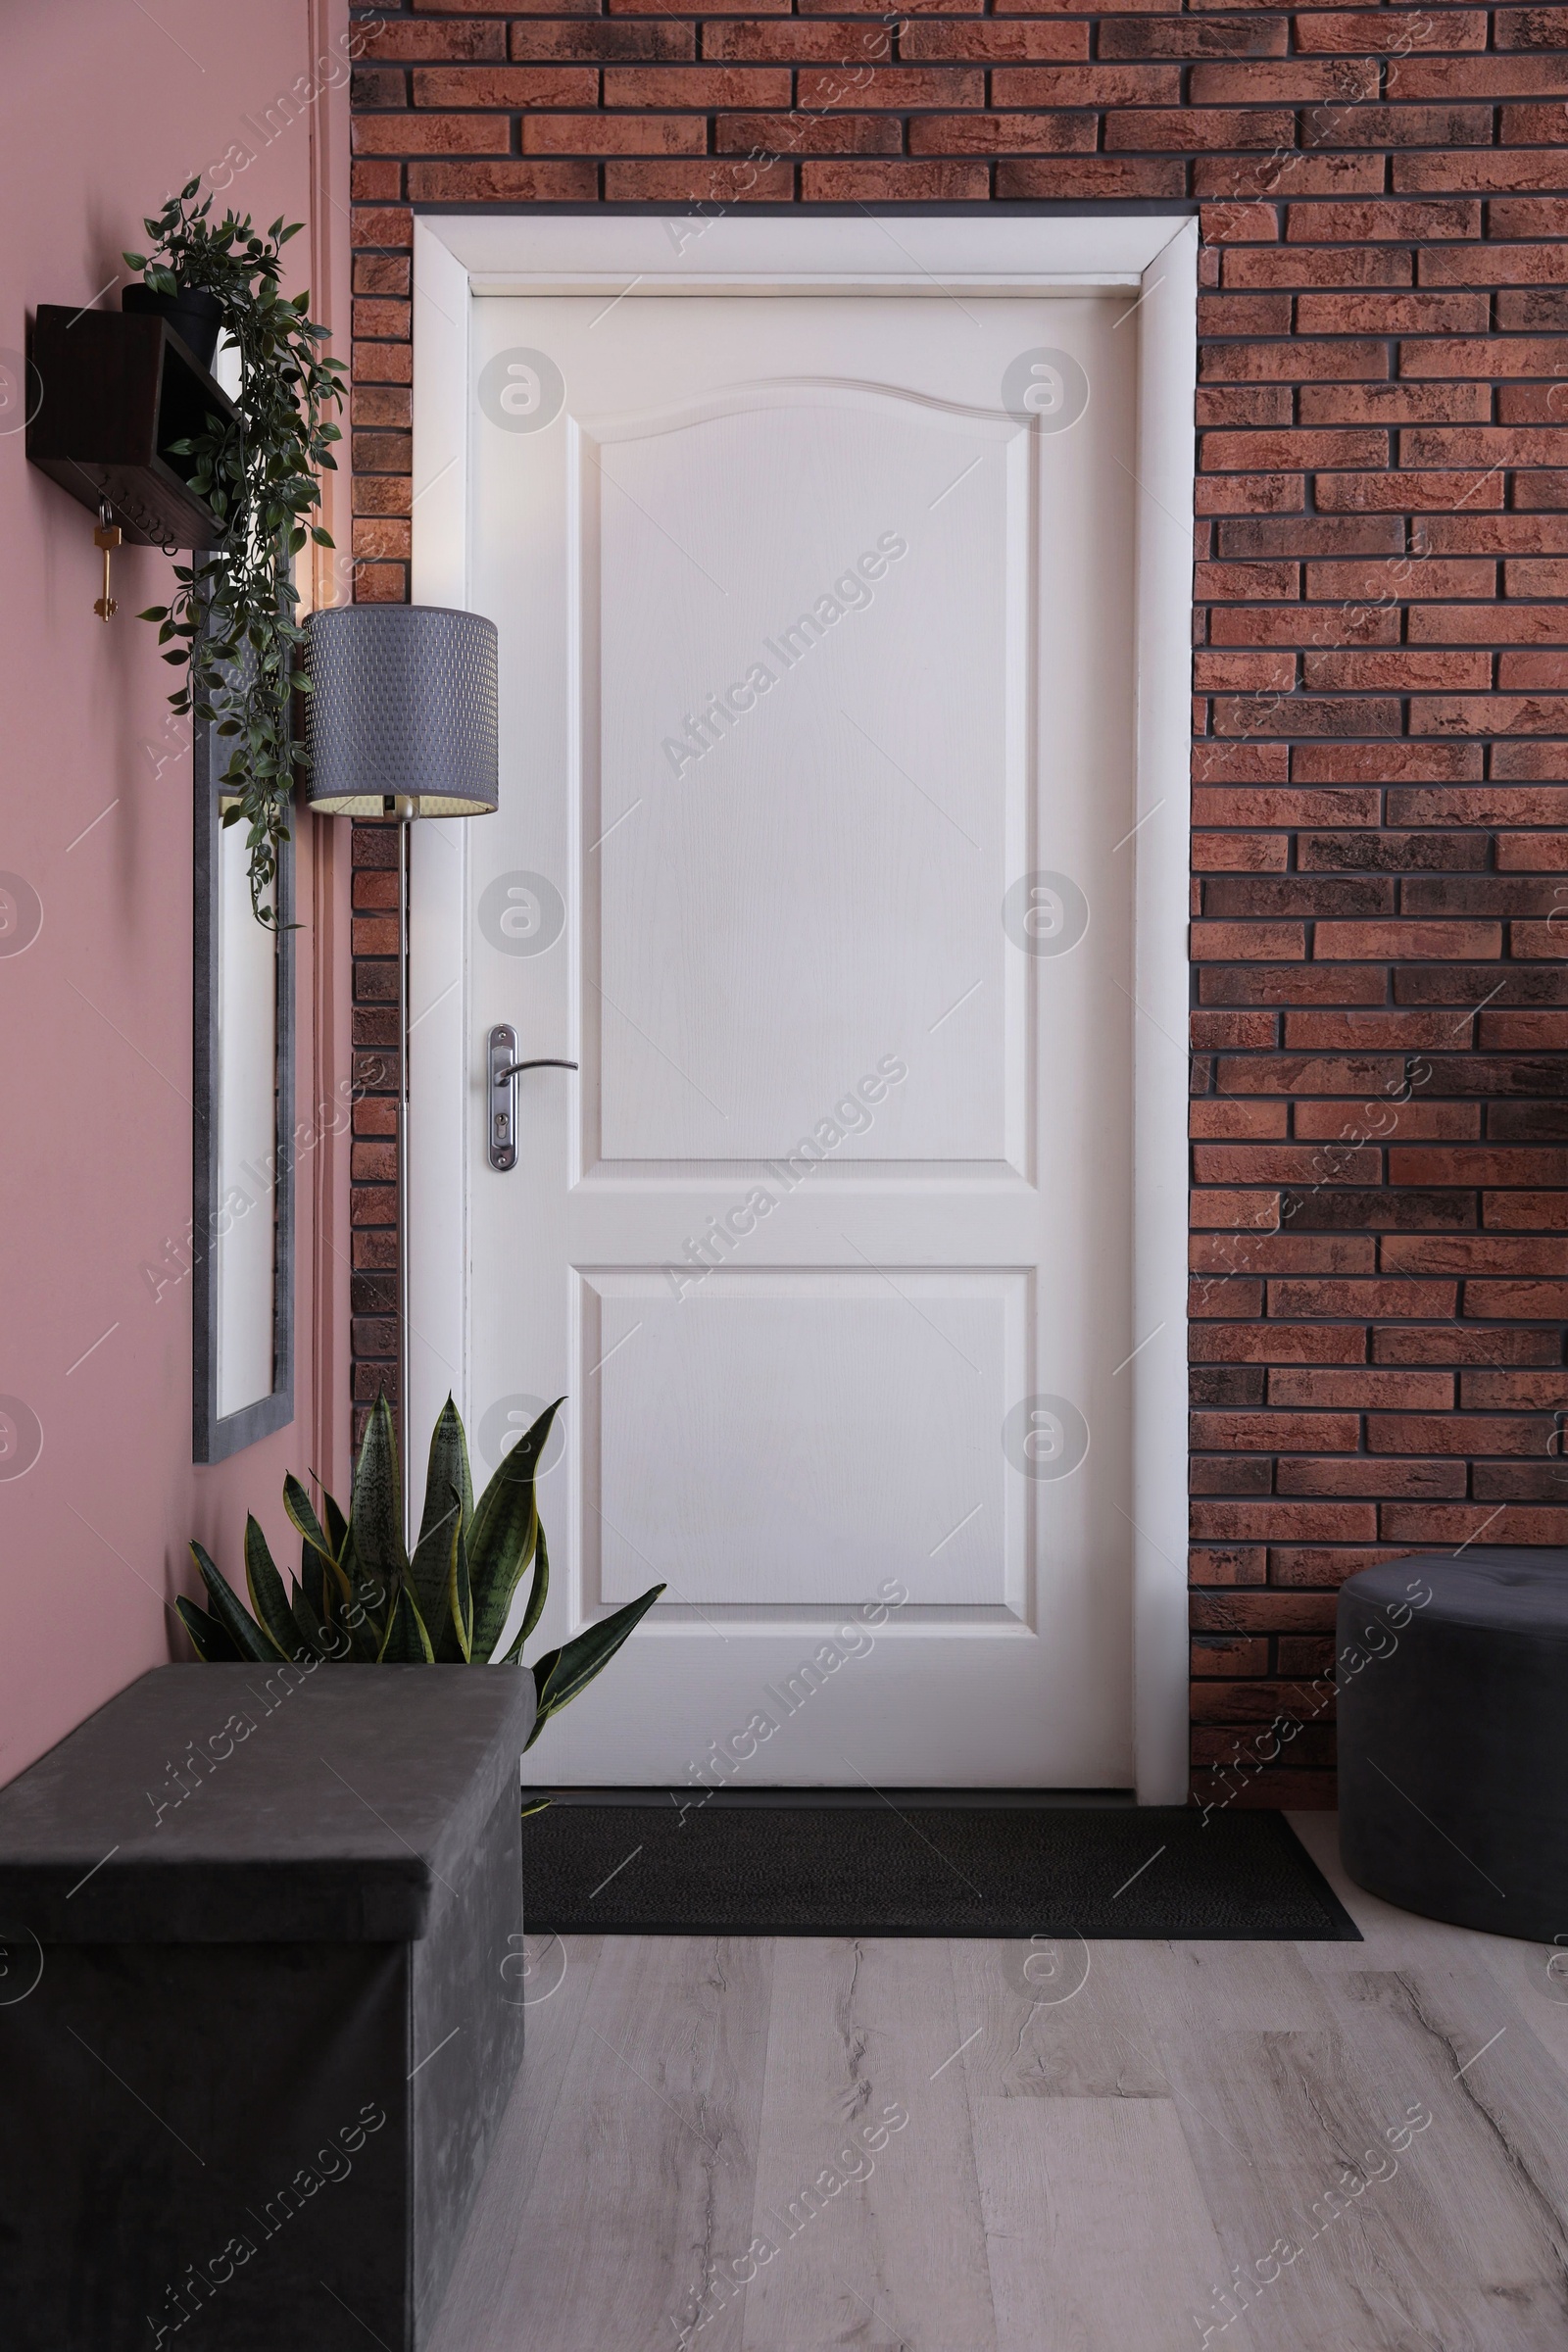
{"type": "Point", "coordinates": [214, 1439]}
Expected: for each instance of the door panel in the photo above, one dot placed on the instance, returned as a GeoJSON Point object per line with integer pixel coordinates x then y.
{"type": "Point", "coordinates": [817, 777]}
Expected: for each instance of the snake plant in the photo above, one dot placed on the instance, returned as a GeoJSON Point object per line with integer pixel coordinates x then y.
{"type": "Point", "coordinates": [361, 1598]}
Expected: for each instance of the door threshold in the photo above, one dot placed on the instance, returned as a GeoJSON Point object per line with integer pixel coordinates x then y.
{"type": "Point", "coordinates": [989, 1799]}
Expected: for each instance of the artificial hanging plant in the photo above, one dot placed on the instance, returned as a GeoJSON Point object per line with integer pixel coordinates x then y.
{"type": "Point", "coordinates": [231, 617]}
{"type": "Point", "coordinates": [363, 1599]}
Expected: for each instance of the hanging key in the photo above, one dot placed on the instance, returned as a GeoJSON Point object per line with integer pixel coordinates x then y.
{"type": "Point", "coordinates": [106, 537]}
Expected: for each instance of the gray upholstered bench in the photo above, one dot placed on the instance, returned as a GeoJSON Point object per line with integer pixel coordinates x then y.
{"type": "Point", "coordinates": [1452, 1678]}
{"type": "Point", "coordinates": [257, 2026]}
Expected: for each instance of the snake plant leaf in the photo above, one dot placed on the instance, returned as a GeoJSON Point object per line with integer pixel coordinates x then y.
{"type": "Point", "coordinates": [302, 1513]}
{"type": "Point", "coordinates": [541, 1804]}
{"type": "Point", "coordinates": [460, 1589]}
{"type": "Point", "coordinates": [536, 1599]}
{"type": "Point", "coordinates": [232, 1616]}
{"type": "Point", "coordinates": [447, 1490]}
{"type": "Point", "coordinates": [504, 1533]}
{"type": "Point", "coordinates": [268, 1599]}
{"type": "Point", "coordinates": [377, 1512]}
{"type": "Point", "coordinates": [212, 1644]}
{"type": "Point", "coordinates": [406, 1641]}
{"type": "Point", "coordinates": [337, 1527]}
{"type": "Point", "coordinates": [561, 1673]}
{"type": "Point", "coordinates": [313, 1580]}
{"type": "Point", "coordinates": [310, 1626]}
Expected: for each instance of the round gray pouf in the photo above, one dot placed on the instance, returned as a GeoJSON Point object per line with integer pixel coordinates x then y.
{"type": "Point", "coordinates": [1454, 1736]}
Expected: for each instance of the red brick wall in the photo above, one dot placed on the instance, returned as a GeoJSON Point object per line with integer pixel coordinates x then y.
{"type": "Point", "coordinates": [1380, 1222]}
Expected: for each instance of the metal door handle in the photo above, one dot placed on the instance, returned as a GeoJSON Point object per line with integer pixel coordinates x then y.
{"type": "Point", "coordinates": [501, 1092]}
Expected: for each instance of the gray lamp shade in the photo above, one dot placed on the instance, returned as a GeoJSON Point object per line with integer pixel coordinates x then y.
{"type": "Point", "coordinates": [401, 710]}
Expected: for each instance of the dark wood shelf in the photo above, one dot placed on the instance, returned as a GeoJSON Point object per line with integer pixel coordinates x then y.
{"type": "Point", "coordinates": [118, 390]}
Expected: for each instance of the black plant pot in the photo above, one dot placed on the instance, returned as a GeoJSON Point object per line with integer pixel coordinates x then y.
{"type": "Point", "coordinates": [197, 319]}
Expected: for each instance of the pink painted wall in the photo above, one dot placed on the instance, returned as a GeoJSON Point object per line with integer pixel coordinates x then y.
{"type": "Point", "coordinates": [105, 110]}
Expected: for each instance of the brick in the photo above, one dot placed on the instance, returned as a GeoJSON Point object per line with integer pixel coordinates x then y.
{"type": "Point", "coordinates": [1307, 715]}
{"type": "Point", "coordinates": [390, 406]}
{"type": "Point", "coordinates": [1397, 127]}
{"type": "Point", "coordinates": [1514, 76]}
{"type": "Point", "coordinates": [1530, 28]}
{"type": "Point", "coordinates": [375, 182]}
{"type": "Point", "coordinates": [1392, 314]}
{"type": "Point", "coordinates": [1230, 942]}
{"type": "Point", "coordinates": [1406, 1209]}
{"type": "Point", "coordinates": [1401, 672]}
{"type": "Point", "coordinates": [1234, 1119]}
{"type": "Point", "coordinates": [1376, 1477]}
{"type": "Point", "coordinates": [384, 363]}
{"type": "Point", "coordinates": [895, 182]}
{"type": "Point", "coordinates": [1407, 493]}
{"type": "Point", "coordinates": [1452, 174]}
{"type": "Point", "coordinates": [1475, 1253]}
{"type": "Point", "coordinates": [1264, 1163]}
{"type": "Point", "coordinates": [1405, 577]}
{"type": "Point", "coordinates": [594, 38]}
{"type": "Point", "coordinates": [510, 86]}
{"type": "Point", "coordinates": [432, 135]}
{"type": "Point", "coordinates": [1449, 1524]}
{"type": "Point", "coordinates": [1294, 81]}
{"type": "Point", "coordinates": [652, 86]}
{"type": "Point", "coordinates": [1525, 1301]}
{"type": "Point", "coordinates": [383, 273]}
{"type": "Point", "coordinates": [1290, 173]}
{"type": "Point", "coordinates": [1389, 852]}
{"type": "Point", "coordinates": [1276, 1433]}
{"type": "Point", "coordinates": [1348, 28]}
{"type": "Point", "coordinates": [1489, 624]}
{"type": "Point", "coordinates": [1315, 1565]}
{"type": "Point", "coordinates": [1395, 404]}
{"type": "Point", "coordinates": [382, 318]}
{"type": "Point", "coordinates": [386, 225]}
{"type": "Point", "coordinates": [1483, 804]}
{"type": "Point", "coordinates": [1252, 853]}
{"type": "Point", "coordinates": [503, 183]}
{"type": "Point", "coordinates": [1235, 1655]}
{"type": "Point", "coordinates": [1307, 536]}
{"type": "Point", "coordinates": [1308, 895]}
{"type": "Point", "coordinates": [618, 135]}
{"type": "Point", "coordinates": [1493, 1391]}
{"type": "Point", "coordinates": [1230, 1564]}
{"type": "Point", "coordinates": [1269, 1252]}
{"type": "Point", "coordinates": [1242, 35]}
{"type": "Point", "coordinates": [1089, 175]}
{"type": "Point", "coordinates": [994, 42]}
{"type": "Point", "coordinates": [1310, 266]}
{"type": "Point", "coordinates": [1285, 1522]}
{"type": "Point", "coordinates": [1191, 132]}
{"type": "Point", "coordinates": [1418, 1302]}
{"type": "Point", "coordinates": [1101, 85]}
{"type": "Point", "coordinates": [1253, 315]}
{"type": "Point", "coordinates": [1383, 221]}
{"type": "Point", "coordinates": [695, 183]}
{"type": "Point", "coordinates": [1000, 134]}
{"type": "Point", "coordinates": [1464, 1434]}
{"type": "Point", "coordinates": [1371, 1031]}
{"type": "Point", "coordinates": [1492, 714]}
{"type": "Point", "coordinates": [1222, 1208]}
{"type": "Point", "coordinates": [1293, 984]}
{"type": "Point", "coordinates": [1500, 356]}
{"type": "Point", "coordinates": [802, 134]}
{"type": "Point", "coordinates": [1519, 1167]}
{"type": "Point", "coordinates": [1277, 452]}
{"type": "Point", "coordinates": [1255, 1342]}
{"type": "Point", "coordinates": [1361, 1391]}
{"type": "Point", "coordinates": [403, 40]}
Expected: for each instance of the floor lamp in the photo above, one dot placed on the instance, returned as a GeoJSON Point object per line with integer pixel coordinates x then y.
{"type": "Point", "coordinates": [400, 721]}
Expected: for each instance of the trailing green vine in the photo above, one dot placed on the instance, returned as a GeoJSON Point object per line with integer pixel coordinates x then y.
{"type": "Point", "coordinates": [230, 620]}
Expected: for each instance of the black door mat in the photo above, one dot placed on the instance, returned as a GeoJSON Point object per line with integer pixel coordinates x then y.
{"type": "Point", "coordinates": [683, 1867]}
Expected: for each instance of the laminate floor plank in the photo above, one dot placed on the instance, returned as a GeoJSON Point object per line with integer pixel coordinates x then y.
{"type": "Point", "coordinates": [1097, 2229]}
{"type": "Point", "coordinates": [866, 2188]}
{"type": "Point", "coordinates": [1059, 2019]}
{"type": "Point", "coordinates": [648, 2166]}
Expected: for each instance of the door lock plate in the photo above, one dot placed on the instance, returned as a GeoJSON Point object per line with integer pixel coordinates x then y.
{"type": "Point", "coordinates": [501, 1093]}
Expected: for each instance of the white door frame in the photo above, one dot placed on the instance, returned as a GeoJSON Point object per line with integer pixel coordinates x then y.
{"type": "Point", "coordinates": [1153, 257]}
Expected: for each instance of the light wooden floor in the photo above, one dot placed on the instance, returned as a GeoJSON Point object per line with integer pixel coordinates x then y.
{"type": "Point", "coordinates": [1083, 2174]}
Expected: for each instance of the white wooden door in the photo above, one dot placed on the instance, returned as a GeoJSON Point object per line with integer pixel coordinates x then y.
{"type": "Point", "coordinates": [818, 778]}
